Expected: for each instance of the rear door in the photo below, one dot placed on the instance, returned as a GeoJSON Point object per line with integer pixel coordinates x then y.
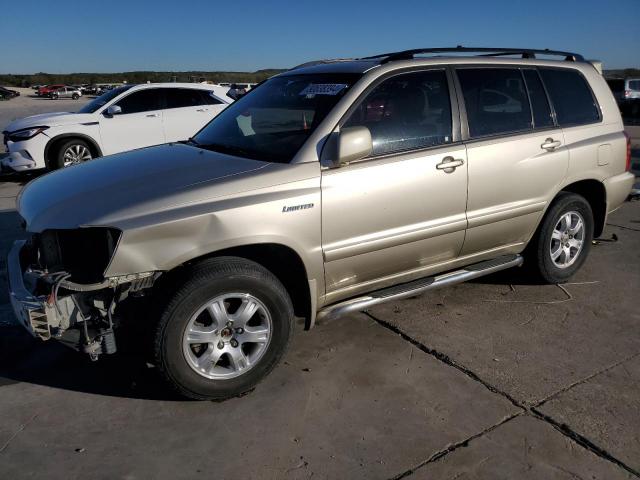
{"type": "Point", "coordinates": [187, 111]}
{"type": "Point", "coordinates": [391, 216]}
{"type": "Point", "coordinates": [516, 155]}
{"type": "Point", "coordinates": [139, 125]}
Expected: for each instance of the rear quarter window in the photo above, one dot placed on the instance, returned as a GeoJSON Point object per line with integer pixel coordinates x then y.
{"type": "Point", "coordinates": [571, 96]}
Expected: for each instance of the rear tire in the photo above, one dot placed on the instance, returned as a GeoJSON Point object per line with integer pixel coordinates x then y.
{"type": "Point", "coordinates": [563, 240]}
{"type": "Point", "coordinates": [206, 345]}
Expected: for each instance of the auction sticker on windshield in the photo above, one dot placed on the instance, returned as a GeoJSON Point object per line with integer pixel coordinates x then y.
{"type": "Point", "coordinates": [323, 89]}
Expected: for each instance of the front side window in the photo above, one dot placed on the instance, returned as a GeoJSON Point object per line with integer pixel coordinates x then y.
{"type": "Point", "coordinates": [103, 99]}
{"type": "Point", "coordinates": [406, 112]}
{"type": "Point", "coordinates": [496, 101]}
{"type": "Point", "coordinates": [273, 121]}
{"type": "Point", "coordinates": [571, 97]}
{"type": "Point", "coordinates": [142, 101]}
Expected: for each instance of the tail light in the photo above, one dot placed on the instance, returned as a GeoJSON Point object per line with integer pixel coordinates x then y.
{"type": "Point", "coordinates": [627, 93]}
{"type": "Point", "coordinates": [628, 164]}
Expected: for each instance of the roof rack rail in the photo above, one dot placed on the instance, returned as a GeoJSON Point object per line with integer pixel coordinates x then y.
{"type": "Point", "coordinates": [484, 51]}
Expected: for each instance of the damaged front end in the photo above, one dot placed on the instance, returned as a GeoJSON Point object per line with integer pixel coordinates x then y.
{"type": "Point", "coordinates": [58, 289]}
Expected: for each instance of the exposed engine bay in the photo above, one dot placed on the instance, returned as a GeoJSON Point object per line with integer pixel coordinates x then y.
{"type": "Point", "coordinates": [69, 298]}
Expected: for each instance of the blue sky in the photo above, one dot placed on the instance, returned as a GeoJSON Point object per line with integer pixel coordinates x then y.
{"type": "Point", "coordinates": [247, 35]}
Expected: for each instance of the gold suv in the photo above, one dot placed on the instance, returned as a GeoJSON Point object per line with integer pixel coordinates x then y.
{"type": "Point", "coordinates": [326, 189]}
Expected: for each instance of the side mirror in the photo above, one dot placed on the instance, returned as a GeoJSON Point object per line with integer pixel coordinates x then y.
{"type": "Point", "coordinates": [113, 110]}
{"type": "Point", "coordinates": [354, 143]}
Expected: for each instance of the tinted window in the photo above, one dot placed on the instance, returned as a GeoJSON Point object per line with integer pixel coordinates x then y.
{"type": "Point", "coordinates": [406, 112]}
{"type": "Point", "coordinates": [183, 97]}
{"type": "Point", "coordinates": [539, 102]}
{"type": "Point", "coordinates": [634, 84]}
{"type": "Point", "coordinates": [208, 98]}
{"type": "Point", "coordinates": [495, 99]}
{"type": "Point", "coordinates": [572, 100]}
{"type": "Point", "coordinates": [102, 100]}
{"type": "Point", "coordinates": [616, 85]}
{"type": "Point", "coordinates": [142, 101]}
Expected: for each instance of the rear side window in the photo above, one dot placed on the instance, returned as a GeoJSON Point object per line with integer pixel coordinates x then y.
{"type": "Point", "coordinates": [496, 101]}
{"type": "Point", "coordinates": [141, 101]}
{"type": "Point", "coordinates": [208, 98]}
{"type": "Point", "coordinates": [406, 112]}
{"type": "Point", "coordinates": [183, 97]}
{"type": "Point", "coordinates": [571, 97]}
{"type": "Point", "coordinates": [634, 84]}
{"type": "Point", "coordinates": [539, 103]}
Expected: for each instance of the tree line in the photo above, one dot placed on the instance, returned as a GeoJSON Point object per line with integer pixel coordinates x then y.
{"type": "Point", "coordinates": [42, 78]}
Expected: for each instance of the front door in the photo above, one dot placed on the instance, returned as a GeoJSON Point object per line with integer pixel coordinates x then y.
{"type": "Point", "coordinates": [389, 217]}
{"type": "Point", "coordinates": [139, 125]}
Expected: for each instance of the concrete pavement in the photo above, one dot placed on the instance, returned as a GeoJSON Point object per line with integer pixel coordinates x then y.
{"type": "Point", "coordinates": [492, 379]}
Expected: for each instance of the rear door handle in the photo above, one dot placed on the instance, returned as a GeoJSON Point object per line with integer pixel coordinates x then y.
{"type": "Point", "coordinates": [202, 110]}
{"type": "Point", "coordinates": [153, 115]}
{"type": "Point", "coordinates": [449, 164]}
{"type": "Point", "coordinates": [550, 144]}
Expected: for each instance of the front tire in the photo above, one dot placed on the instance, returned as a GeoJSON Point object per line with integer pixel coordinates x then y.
{"type": "Point", "coordinates": [224, 330]}
{"type": "Point", "coordinates": [563, 240]}
{"type": "Point", "coordinates": [71, 152]}
{"type": "Point", "coordinates": [75, 96]}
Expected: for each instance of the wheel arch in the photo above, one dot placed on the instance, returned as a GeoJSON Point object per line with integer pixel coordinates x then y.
{"type": "Point", "coordinates": [595, 193]}
{"type": "Point", "coordinates": [52, 144]}
{"type": "Point", "coordinates": [281, 260]}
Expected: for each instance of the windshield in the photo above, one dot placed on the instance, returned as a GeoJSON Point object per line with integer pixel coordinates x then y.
{"type": "Point", "coordinates": [102, 100]}
{"type": "Point", "coordinates": [273, 121]}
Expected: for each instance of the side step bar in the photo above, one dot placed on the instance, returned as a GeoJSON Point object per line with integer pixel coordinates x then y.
{"type": "Point", "coordinates": [419, 286]}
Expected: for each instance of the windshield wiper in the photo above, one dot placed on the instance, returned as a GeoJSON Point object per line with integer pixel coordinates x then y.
{"type": "Point", "coordinates": [222, 148]}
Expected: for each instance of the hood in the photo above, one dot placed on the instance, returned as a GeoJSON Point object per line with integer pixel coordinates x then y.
{"type": "Point", "coordinates": [111, 190]}
{"type": "Point", "coordinates": [49, 120]}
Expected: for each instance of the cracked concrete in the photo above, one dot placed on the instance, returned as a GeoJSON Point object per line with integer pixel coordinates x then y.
{"type": "Point", "coordinates": [525, 449]}
{"type": "Point", "coordinates": [483, 380]}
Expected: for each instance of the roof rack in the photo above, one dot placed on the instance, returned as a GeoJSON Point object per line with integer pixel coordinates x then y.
{"type": "Point", "coordinates": [484, 51]}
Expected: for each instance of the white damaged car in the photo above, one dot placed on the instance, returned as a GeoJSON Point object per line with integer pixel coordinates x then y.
{"type": "Point", "coordinates": [125, 118]}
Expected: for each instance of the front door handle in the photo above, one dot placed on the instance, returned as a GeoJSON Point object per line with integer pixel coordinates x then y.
{"type": "Point", "coordinates": [153, 115]}
{"type": "Point", "coordinates": [202, 110]}
{"type": "Point", "coordinates": [449, 164]}
{"type": "Point", "coordinates": [550, 144]}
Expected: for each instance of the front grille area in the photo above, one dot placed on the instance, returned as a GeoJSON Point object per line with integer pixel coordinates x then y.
{"type": "Point", "coordinates": [84, 253]}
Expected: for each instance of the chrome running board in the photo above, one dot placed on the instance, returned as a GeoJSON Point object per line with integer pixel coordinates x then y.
{"type": "Point", "coordinates": [416, 287]}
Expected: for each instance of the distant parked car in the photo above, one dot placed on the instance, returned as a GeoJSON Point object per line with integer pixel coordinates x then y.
{"type": "Point", "coordinates": [66, 92]}
{"type": "Point", "coordinates": [624, 88]}
{"type": "Point", "coordinates": [125, 118]}
{"type": "Point", "coordinates": [47, 89]}
{"type": "Point", "coordinates": [7, 93]}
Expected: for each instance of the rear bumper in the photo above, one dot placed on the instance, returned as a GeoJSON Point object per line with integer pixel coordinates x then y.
{"type": "Point", "coordinates": [618, 189]}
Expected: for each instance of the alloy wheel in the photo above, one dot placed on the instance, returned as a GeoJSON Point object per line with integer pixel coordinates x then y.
{"type": "Point", "coordinates": [75, 154]}
{"type": "Point", "coordinates": [567, 239]}
{"type": "Point", "coordinates": [227, 336]}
